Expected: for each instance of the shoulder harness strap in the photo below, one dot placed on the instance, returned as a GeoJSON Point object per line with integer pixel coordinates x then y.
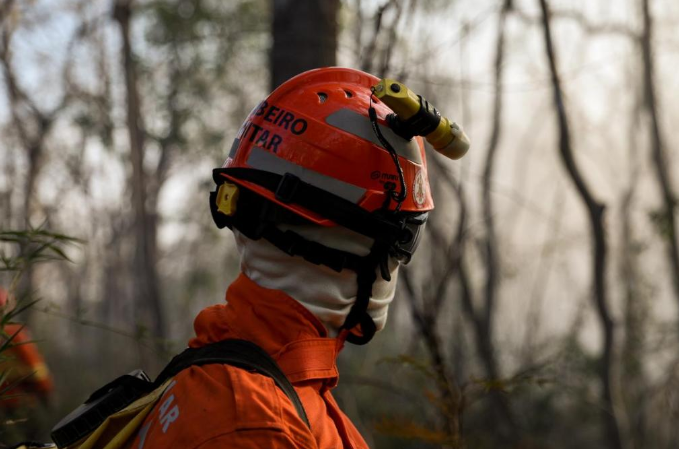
{"type": "Point", "coordinates": [123, 391]}
{"type": "Point", "coordinates": [238, 353]}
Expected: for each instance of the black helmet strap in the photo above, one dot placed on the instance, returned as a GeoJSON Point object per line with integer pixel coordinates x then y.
{"type": "Point", "coordinates": [366, 276]}
{"type": "Point", "coordinates": [259, 221]}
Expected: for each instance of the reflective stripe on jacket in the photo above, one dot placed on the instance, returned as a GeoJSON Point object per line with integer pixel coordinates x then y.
{"type": "Point", "coordinates": [217, 406]}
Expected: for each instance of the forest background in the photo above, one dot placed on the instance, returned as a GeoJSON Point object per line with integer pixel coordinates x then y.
{"type": "Point", "coordinates": [542, 308]}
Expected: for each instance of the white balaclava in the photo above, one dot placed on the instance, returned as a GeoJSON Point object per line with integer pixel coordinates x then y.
{"type": "Point", "coordinates": [328, 294]}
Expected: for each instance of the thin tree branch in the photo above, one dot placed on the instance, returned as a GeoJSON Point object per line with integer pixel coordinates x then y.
{"type": "Point", "coordinates": [610, 29]}
{"type": "Point", "coordinates": [595, 214]}
{"type": "Point", "coordinates": [368, 56]}
{"type": "Point", "coordinates": [661, 163]}
{"type": "Point", "coordinates": [491, 243]}
{"type": "Point", "coordinates": [448, 388]}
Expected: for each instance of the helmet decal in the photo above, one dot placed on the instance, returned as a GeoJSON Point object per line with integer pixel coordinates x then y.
{"type": "Point", "coordinates": [419, 193]}
{"type": "Point", "coordinates": [269, 139]}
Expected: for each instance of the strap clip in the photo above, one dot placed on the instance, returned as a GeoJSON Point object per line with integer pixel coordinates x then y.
{"type": "Point", "coordinates": [290, 243]}
{"type": "Point", "coordinates": [227, 198]}
{"type": "Point", "coordinates": [287, 187]}
{"type": "Point", "coordinates": [316, 253]}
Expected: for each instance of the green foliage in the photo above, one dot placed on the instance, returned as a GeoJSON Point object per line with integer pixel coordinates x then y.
{"type": "Point", "coordinates": [418, 366]}
{"type": "Point", "coordinates": [660, 219]}
{"type": "Point", "coordinates": [35, 246]}
{"type": "Point", "coordinates": [425, 383]}
{"type": "Point", "coordinates": [186, 21]}
{"type": "Point", "coordinates": [408, 430]}
{"type": "Point", "coordinates": [195, 54]}
{"type": "Point", "coordinates": [19, 251]}
{"type": "Point", "coordinates": [541, 394]}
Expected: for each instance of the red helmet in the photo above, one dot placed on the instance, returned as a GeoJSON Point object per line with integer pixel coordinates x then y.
{"type": "Point", "coordinates": [316, 126]}
{"type": "Point", "coordinates": [320, 149]}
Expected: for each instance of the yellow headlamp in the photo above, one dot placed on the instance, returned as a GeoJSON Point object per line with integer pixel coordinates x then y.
{"type": "Point", "coordinates": [414, 116]}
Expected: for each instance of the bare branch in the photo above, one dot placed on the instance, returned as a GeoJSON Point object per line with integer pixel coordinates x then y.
{"type": "Point", "coordinates": [666, 219]}
{"type": "Point", "coordinates": [611, 29]}
{"type": "Point", "coordinates": [391, 41]}
{"type": "Point", "coordinates": [368, 56]}
{"type": "Point", "coordinates": [491, 243]}
{"type": "Point", "coordinates": [595, 213]}
{"type": "Point", "coordinates": [448, 388]}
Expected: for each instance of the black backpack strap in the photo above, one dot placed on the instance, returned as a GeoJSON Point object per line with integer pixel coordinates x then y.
{"type": "Point", "coordinates": [239, 353]}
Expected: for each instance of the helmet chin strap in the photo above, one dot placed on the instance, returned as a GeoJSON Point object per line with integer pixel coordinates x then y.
{"type": "Point", "coordinates": [378, 256]}
{"type": "Point", "coordinates": [366, 275]}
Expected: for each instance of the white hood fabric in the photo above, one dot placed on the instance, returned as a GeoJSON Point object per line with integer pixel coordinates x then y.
{"type": "Point", "coordinates": [328, 294]}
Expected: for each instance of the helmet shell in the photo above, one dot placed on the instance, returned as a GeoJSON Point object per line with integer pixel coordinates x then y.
{"type": "Point", "coordinates": [316, 126]}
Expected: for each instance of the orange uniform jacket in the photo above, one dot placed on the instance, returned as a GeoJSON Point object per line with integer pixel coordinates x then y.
{"type": "Point", "coordinates": [24, 365]}
{"type": "Point", "coordinates": [220, 406]}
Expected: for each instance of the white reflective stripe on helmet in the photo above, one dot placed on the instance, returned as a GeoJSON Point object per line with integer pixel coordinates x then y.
{"type": "Point", "coordinates": [267, 161]}
{"type": "Point", "coordinates": [234, 148]}
{"type": "Point", "coordinates": [360, 126]}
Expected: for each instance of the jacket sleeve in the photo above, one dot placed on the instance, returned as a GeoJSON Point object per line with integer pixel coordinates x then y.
{"type": "Point", "coordinates": [252, 439]}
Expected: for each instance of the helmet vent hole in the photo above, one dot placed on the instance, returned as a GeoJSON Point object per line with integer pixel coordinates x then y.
{"type": "Point", "coordinates": [348, 93]}
{"type": "Point", "coordinates": [322, 96]}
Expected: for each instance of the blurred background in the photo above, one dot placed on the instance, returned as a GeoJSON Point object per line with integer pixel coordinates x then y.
{"type": "Point", "coordinates": [541, 310]}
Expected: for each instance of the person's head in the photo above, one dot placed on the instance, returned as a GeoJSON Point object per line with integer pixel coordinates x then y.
{"type": "Point", "coordinates": [320, 183]}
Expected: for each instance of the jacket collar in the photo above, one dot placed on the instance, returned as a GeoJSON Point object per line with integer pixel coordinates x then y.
{"type": "Point", "coordinates": [281, 326]}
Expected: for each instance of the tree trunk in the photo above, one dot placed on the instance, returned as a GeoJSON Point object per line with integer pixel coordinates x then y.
{"type": "Point", "coordinates": [595, 214]}
{"type": "Point", "coordinates": [660, 160]}
{"type": "Point", "coordinates": [148, 305]}
{"type": "Point", "coordinates": [304, 37]}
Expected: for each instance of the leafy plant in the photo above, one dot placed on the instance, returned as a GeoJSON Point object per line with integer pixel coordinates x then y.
{"type": "Point", "coordinates": [34, 246]}
{"type": "Point", "coordinates": [19, 251]}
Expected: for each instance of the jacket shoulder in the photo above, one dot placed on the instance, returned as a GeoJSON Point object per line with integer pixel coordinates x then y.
{"type": "Point", "coordinates": [217, 402]}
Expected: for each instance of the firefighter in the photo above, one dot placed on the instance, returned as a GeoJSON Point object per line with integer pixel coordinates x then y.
{"type": "Point", "coordinates": [27, 382]}
{"type": "Point", "coordinates": [325, 198]}
{"type": "Point", "coordinates": [25, 367]}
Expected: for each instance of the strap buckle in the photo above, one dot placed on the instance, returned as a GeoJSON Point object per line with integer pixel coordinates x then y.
{"type": "Point", "coordinates": [287, 188]}
{"type": "Point", "coordinates": [316, 253]}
